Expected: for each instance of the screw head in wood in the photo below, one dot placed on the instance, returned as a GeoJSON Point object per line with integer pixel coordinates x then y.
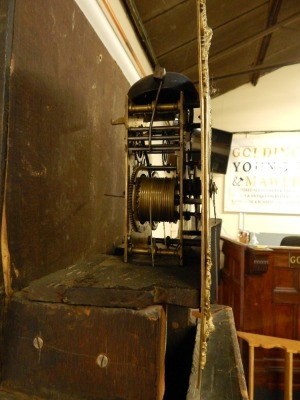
{"type": "Point", "coordinates": [38, 342]}
{"type": "Point", "coordinates": [102, 360]}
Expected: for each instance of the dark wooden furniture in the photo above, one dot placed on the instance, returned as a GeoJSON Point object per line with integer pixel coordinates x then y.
{"type": "Point", "coordinates": [262, 285]}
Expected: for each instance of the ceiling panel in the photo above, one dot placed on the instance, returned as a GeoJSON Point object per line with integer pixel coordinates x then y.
{"type": "Point", "coordinates": [249, 37]}
{"type": "Point", "coordinates": [170, 30]}
{"type": "Point", "coordinates": [151, 9]}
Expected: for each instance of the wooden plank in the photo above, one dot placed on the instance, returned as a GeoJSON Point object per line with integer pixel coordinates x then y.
{"type": "Point", "coordinates": [64, 197]}
{"type": "Point", "coordinates": [6, 32]}
{"type": "Point", "coordinates": [107, 281]}
{"type": "Point", "coordinates": [67, 352]}
{"type": "Point", "coordinates": [223, 376]}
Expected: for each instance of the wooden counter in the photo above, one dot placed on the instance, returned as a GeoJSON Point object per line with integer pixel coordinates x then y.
{"type": "Point", "coordinates": [262, 285]}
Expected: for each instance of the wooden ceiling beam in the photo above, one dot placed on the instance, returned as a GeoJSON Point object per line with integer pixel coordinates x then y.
{"type": "Point", "coordinates": [271, 21]}
{"type": "Point", "coordinates": [255, 37]}
{"type": "Point", "coordinates": [257, 68]}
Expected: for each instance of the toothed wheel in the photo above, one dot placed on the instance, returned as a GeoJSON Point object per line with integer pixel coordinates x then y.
{"type": "Point", "coordinates": [134, 198]}
{"type": "Point", "coordinates": [132, 204]}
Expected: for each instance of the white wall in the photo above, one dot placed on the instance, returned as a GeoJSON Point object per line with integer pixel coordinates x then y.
{"type": "Point", "coordinates": [272, 105]}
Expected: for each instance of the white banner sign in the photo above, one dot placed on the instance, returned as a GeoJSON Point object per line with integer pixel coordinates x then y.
{"type": "Point", "coordinates": [263, 174]}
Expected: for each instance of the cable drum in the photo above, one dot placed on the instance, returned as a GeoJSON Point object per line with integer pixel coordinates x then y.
{"type": "Point", "coordinates": [155, 199]}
